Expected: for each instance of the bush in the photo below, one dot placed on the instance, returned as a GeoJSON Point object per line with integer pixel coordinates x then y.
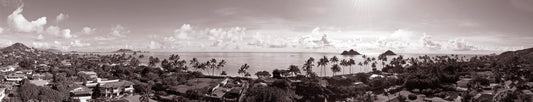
{"type": "Point", "coordinates": [412, 97]}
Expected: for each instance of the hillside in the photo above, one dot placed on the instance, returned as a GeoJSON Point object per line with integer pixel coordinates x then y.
{"type": "Point", "coordinates": [524, 56]}
{"type": "Point", "coordinates": [351, 52]}
{"type": "Point", "coordinates": [388, 53]}
{"type": "Point", "coordinates": [124, 51]}
{"type": "Point", "coordinates": [21, 50]}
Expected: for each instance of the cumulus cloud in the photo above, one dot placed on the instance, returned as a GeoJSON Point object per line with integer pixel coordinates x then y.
{"type": "Point", "coordinates": [316, 40]}
{"type": "Point", "coordinates": [66, 33]}
{"type": "Point", "coordinates": [398, 40]}
{"type": "Point", "coordinates": [460, 45]}
{"type": "Point", "coordinates": [61, 17]}
{"type": "Point", "coordinates": [154, 45]}
{"type": "Point", "coordinates": [19, 23]}
{"type": "Point", "coordinates": [87, 30]}
{"type": "Point", "coordinates": [119, 31]}
{"type": "Point", "coordinates": [78, 43]}
{"type": "Point", "coordinates": [54, 30]}
{"type": "Point", "coordinates": [39, 44]}
{"type": "Point", "coordinates": [183, 31]}
{"type": "Point", "coordinates": [214, 37]}
{"type": "Point", "coordinates": [428, 43]}
{"type": "Point", "coordinates": [40, 37]}
{"type": "Point", "coordinates": [312, 42]}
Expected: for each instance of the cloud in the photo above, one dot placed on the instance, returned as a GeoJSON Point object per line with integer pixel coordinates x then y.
{"type": "Point", "coordinates": [154, 45]}
{"type": "Point", "coordinates": [66, 33]}
{"type": "Point", "coordinates": [214, 37]}
{"type": "Point", "coordinates": [19, 23]}
{"type": "Point", "coordinates": [40, 37]}
{"type": "Point", "coordinates": [183, 31]}
{"type": "Point", "coordinates": [311, 41]}
{"type": "Point", "coordinates": [54, 30]}
{"type": "Point", "coordinates": [87, 30]}
{"type": "Point", "coordinates": [78, 43]}
{"type": "Point", "coordinates": [119, 31]}
{"type": "Point", "coordinates": [460, 45]}
{"type": "Point", "coordinates": [38, 44]}
{"type": "Point", "coordinates": [1, 30]}
{"type": "Point", "coordinates": [428, 43]}
{"type": "Point", "coordinates": [61, 17]}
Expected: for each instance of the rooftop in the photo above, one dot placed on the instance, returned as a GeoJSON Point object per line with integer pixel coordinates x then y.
{"type": "Point", "coordinates": [117, 84]}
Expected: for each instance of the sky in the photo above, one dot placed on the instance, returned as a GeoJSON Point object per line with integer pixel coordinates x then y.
{"type": "Point", "coordinates": [368, 26]}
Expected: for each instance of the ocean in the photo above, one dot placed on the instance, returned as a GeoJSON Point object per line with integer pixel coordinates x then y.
{"type": "Point", "coordinates": [268, 61]}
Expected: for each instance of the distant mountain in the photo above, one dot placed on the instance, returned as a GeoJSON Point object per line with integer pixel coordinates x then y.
{"type": "Point", "coordinates": [388, 53]}
{"type": "Point", "coordinates": [124, 51]}
{"type": "Point", "coordinates": [518, 56]}
{"type": "Point", "coordinates": [351, 52]}
{"type": "Point", "coordinates": [53, 50]}
{"type": "Point", "coordinates": [17, 47]}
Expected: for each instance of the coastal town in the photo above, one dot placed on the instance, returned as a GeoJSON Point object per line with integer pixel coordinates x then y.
{"type": "Point", "coordinates": [34, 75]}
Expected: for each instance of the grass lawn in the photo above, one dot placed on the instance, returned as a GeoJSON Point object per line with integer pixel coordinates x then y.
{"type": "Point", "coordinates": [135, 98]}
{"type": "Point", "coordinates": [196, 83]}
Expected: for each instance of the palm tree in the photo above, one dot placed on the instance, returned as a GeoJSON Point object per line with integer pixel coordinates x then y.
{"type": "Point", "coordinates": [294, 69]}
{"type": "Point", "coordinates": [361, 66]}
{"type": "Point", "coordinates": [243, 70]}
{"type": "Point", "coordinates": [221, 64]}
{"type": "Point", "coordinates": [194, 63]}
{"type": "Point", "coordinates": [373, 66]}
{"type": "Point", "coordinates": [334, 60]}
{"type": "Point", "coordinates": [351, 62]}
{"type": "Point", "coordinates": [345, 63]}
{"type": "Point", "coordinates": [323, 62]}
{"type": "Point", "coordinates": [335, 68]}
{"type": "Point", "coordinates": [366, 64]}
{"type": "Point", "coordinates": [308, 66]}
{"type": "Point", "coordinates": [212, 65]}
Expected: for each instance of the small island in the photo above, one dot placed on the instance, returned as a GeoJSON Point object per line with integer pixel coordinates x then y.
{"type": "Point", "coordinates": [128, 51]}
{"type": "Point", "coordinates": [124, 51]}
{"type": "Point", "coordinates": [388, 53]}
{"type": "Point", "coordinates": [351, 52]}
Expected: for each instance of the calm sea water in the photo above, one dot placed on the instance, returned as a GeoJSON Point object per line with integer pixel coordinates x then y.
{"type": "Point", "coordinates": [270, 60]}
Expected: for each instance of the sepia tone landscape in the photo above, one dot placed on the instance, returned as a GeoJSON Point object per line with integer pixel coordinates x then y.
{"type": "Point", "coordinates": [266, 51]}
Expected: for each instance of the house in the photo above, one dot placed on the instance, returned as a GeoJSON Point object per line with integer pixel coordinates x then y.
{"type": "Point", "coordinates": [100, 81]}
{"type": "Point", "coordinates": [15, 77]}
{"type": "Point", "coordinates": [91, 74]}
{"type": "Point", "coordinates": [462, 85]}
{"type": "Point", "coordinates": [116, 89]}
{"type": "Point", "coordinates": [81, 94]}
{"type": "Point", "coordinates": [66, 63]}
{"type": "Point", "coordinates": [7, 69]}
{"type": "Point", "coordinates": [28, 72]}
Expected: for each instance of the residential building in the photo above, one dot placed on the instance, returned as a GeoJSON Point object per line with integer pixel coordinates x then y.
{"type": "Point", "coordinates": [29, 72]}
{"type": "Point", "coordinates": [81, 94]}
{"type": "Point", "coordinates": [116, 89]}
{"type": "Point", "coordinates": [7, 69]}
{"type": "Point", "coordinates": [91, 74]}
{"type": "Point", "coordinates": [15, 77]}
